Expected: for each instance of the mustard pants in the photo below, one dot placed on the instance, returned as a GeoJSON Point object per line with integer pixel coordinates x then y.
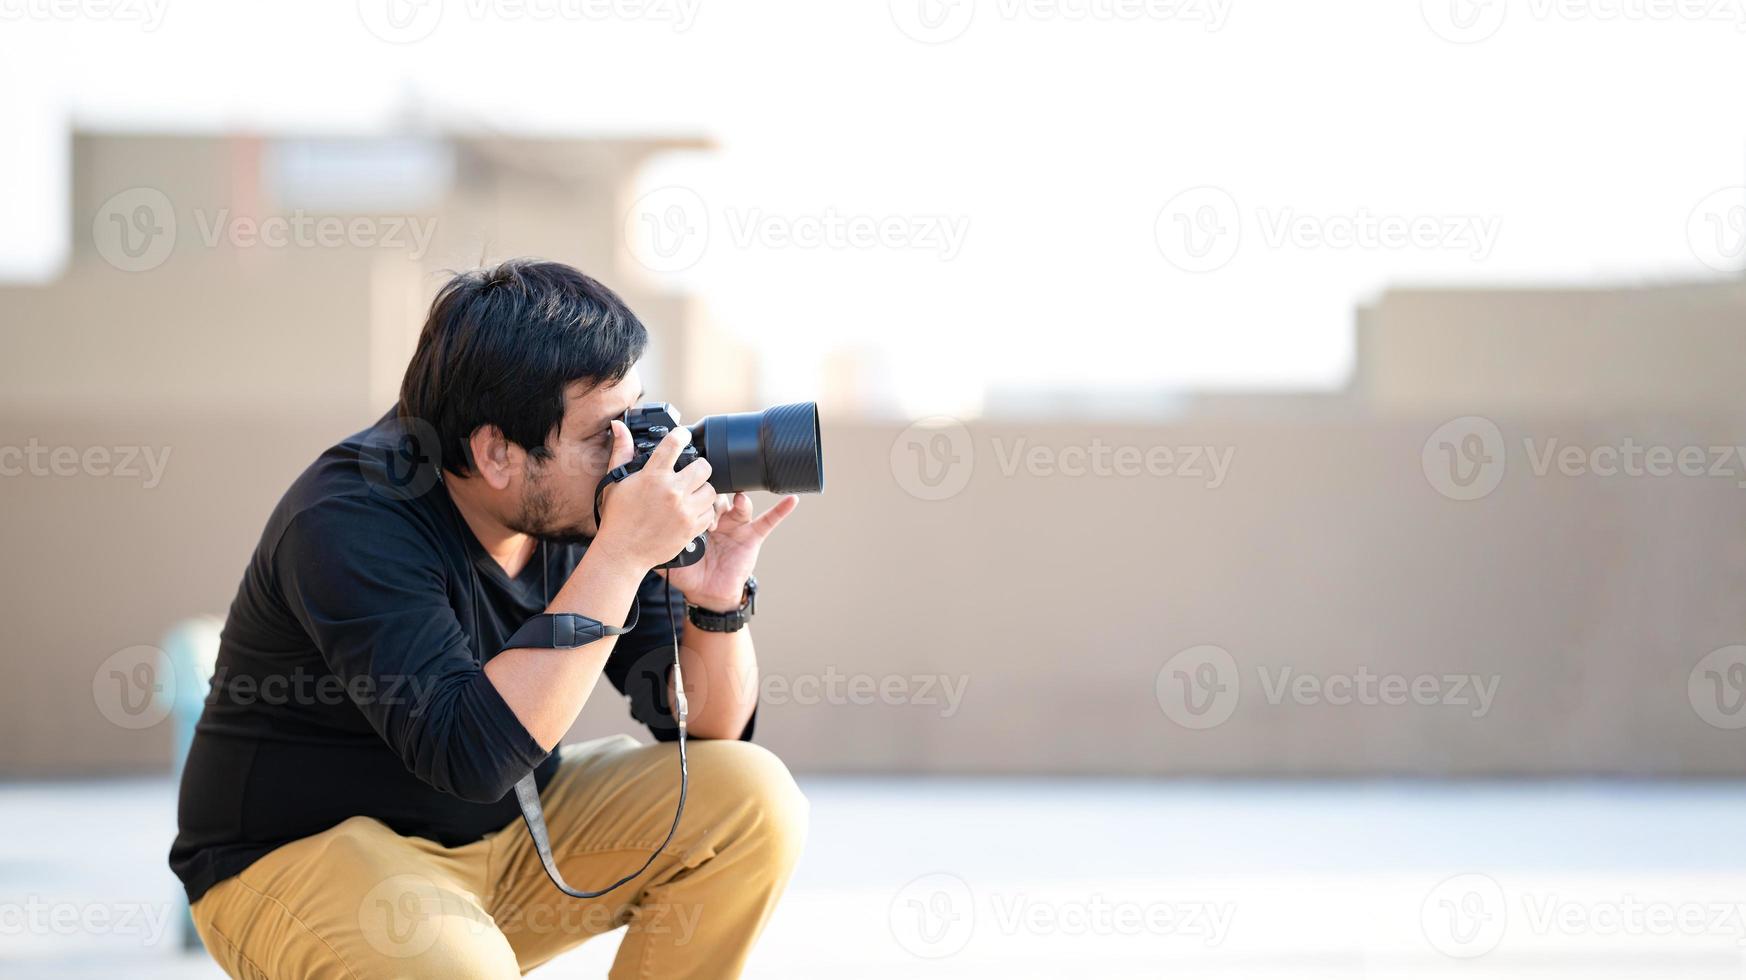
{"type": "Point", "coordinates": [359, 901]}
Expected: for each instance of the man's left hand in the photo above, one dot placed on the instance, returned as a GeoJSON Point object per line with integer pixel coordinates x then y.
{"type": "Point", "coordinates": [717, 582]}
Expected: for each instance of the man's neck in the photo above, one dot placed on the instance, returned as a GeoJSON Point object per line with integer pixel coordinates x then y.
{"type": "Point", "coordinates": [511, 549]}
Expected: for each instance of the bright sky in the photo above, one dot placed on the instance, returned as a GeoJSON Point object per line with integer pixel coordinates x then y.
{"type": "Point", "coordinates": [1144, 194]}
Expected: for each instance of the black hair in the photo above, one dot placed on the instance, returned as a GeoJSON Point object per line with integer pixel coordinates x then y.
{"type": "Point", "coordinates": [501, 345]}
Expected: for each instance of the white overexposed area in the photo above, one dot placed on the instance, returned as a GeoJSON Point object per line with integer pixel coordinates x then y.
{"type": "Point", "coordinates": [975, 196]}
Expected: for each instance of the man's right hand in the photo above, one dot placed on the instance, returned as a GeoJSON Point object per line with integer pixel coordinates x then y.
{"type": "Point", "coordinates": [651, 515]}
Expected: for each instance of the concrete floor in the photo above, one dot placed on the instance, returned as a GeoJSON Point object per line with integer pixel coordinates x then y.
{"type": "Point", "coordinates": [1008, 878]}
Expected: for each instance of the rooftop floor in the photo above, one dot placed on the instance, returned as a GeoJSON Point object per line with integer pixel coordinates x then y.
{"type": "Point", "coordinates": [1047, 878]}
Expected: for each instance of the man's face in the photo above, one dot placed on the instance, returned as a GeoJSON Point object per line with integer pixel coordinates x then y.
{"type": "Point", "coordinates": [557, 499]}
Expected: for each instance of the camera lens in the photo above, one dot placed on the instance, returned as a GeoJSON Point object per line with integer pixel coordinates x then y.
{"type": "Point", "coordinates": [777, 449]}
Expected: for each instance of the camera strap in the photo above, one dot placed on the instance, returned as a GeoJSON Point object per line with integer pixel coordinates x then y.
{"type": "Point", "coordinates": [534, 634]}
{"type": "Point", "coordinates": [559, 630]}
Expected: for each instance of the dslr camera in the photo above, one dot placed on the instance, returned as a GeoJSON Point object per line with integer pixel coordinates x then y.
{"type": "Point", "coordinates": [777, 449]}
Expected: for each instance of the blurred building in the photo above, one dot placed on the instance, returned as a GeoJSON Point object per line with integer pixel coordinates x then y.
{"type": "Point", "coordinates": [235, 304]}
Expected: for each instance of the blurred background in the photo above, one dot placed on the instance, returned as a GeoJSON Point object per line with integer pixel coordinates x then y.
{"type": "Point", "coordinates": [1299, 448]}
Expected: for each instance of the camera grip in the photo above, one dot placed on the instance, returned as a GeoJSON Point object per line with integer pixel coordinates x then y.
{"type": "Point", "coordinates": [693, 552]}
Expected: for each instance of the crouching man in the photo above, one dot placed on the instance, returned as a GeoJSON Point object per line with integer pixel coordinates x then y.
{"type": "Point", "coordinates": [347, 807]}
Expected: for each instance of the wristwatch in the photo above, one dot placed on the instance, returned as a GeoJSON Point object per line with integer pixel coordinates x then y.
{"type": "Point", "coordinates": [727, 622]}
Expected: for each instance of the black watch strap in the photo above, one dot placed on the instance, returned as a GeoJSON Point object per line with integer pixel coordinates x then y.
{"type": "Point", "coordinates": [727, 622]}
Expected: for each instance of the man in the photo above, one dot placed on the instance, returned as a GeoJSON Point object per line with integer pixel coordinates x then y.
{"type": "Point", "coordinates": [346, 808]}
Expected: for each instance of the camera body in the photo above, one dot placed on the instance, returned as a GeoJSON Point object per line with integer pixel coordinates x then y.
{"type": "Point", "coordinates": [649, 423]}
{"type": "Point", "coordinates": [777, 449]}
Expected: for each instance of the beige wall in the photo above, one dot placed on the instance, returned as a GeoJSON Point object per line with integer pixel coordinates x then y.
{"type": "Point", "coordinates": [1053, 601]}
{"type": "Point", "coordinates": [1673, 348]}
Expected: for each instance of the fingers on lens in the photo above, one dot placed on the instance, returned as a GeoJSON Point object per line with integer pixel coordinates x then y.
{"type": "Point", "coordinates": [696, 474]}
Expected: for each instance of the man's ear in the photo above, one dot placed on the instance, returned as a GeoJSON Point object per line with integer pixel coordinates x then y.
{"type": "Point", "coordinates": [493, 456]}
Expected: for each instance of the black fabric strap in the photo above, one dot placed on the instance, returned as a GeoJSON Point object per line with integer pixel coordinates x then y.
{"type": "Point", "coordinates": [556, 631]}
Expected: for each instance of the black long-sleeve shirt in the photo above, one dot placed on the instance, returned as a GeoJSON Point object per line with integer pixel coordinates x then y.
{"type": "Point", "coordinates": [350, 675]}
